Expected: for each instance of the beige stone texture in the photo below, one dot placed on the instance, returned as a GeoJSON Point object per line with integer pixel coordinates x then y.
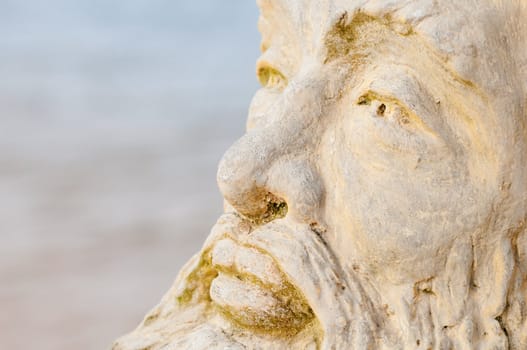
{"type": "Point", "coordinates": [378, 198]}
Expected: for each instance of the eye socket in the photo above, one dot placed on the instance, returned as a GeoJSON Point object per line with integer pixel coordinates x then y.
{"type": "Point", "coordinates": [364, 100]}
{"type": "Point", "coordinates": [384, 107]}
{"type": "Point", "coordinates": [269, 77]}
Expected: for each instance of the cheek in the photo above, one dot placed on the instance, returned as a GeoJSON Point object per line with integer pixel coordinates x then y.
{"type": "Point", "coordinates": [396, 209]}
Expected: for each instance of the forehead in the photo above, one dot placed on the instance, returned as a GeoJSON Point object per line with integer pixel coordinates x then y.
{"type": "Point", "coordinates": [312, 20]}
{"type": "Point", "coordinates": [459, 31]}
{"type": "Point", "coordinates": [316, 17]}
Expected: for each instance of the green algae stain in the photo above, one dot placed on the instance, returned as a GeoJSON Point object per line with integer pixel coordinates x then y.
{"type": "Point", "coordinates": [198, 282]}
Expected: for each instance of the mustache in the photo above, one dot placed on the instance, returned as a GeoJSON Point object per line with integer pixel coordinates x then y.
{"type": "Point", "coordinates": [334, 294]}
{"type": "Point", "coordinates": [344, 314]}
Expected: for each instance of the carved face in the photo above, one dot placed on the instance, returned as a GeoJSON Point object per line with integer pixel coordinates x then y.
{"type": "Point", "coordinates": [370, 172]}
{"type": "Point", "coordinates": [369, 137]}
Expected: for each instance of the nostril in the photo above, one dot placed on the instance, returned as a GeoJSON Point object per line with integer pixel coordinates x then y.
{"type": "Point", "coordinates": [276, 209]}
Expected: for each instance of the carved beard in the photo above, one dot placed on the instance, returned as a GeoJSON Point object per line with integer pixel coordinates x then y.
{"type": "Point", "coordinates": [187, 317]}
{"type": "Point", "coordinates": [454, 310]}
{"type": "Point", "coordinates": [341, 308]}
{"type": "Point", "coordinates": [342, 314]}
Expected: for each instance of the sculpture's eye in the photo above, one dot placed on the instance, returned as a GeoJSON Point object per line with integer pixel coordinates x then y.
{"type": "Point", "coordinates": [270, 77]}
{"type": "Point", "coordinates": [383, 107]}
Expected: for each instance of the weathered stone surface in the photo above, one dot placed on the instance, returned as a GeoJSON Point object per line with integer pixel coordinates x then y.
{"type": "Point", "coordinates": [378, 198]}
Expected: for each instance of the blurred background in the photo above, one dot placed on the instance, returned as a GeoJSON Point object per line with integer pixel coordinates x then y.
{"type": "Point", "coordinates": [113, 117]}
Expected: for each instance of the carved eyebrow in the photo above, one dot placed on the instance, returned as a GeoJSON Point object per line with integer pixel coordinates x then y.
{"type": "Point", "coordinates": [351, 37]}
{"type": "Point", "coordinates": [277, 20]}
{"type": "Point", "coordinates": [341, 38]}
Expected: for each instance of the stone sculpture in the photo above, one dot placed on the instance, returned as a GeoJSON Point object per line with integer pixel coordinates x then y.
{"type": "Point", "coordinates": [378, 198]}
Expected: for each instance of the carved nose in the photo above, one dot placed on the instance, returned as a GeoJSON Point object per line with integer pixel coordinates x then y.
{"type": "Point", "coordinates": [271, 167]}
{"type": "Point", "coordinates": [243, 174]}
